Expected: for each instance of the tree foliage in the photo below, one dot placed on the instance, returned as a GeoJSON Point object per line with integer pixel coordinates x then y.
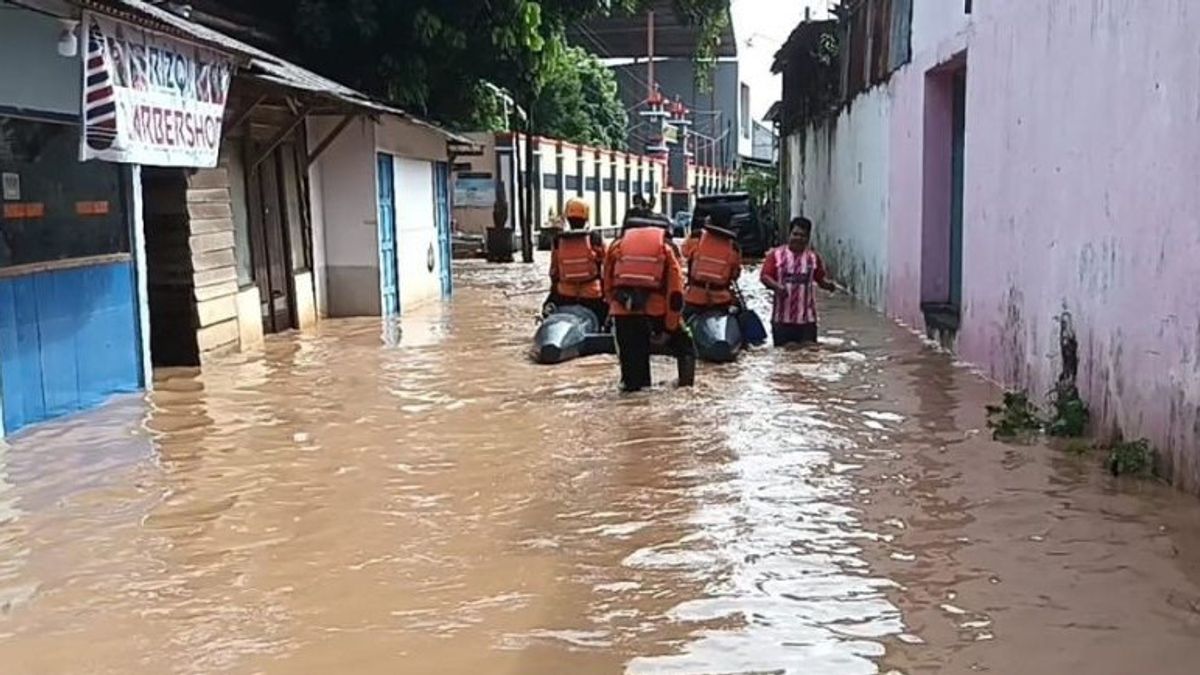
{"type": "Point", "coordinates": [760, 184]}
{"type": "Point", "coordinates": [431, 56]}
{"type": "Point", "coordinates": [579, 100]}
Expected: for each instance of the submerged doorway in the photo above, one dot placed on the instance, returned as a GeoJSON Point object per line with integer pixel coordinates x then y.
{"type": "Point", "coordinates": [170, 277]}
{"type": "Point", "coordinates": [943, 197]}
{"type": "Point", "coordinates": [276, 228]}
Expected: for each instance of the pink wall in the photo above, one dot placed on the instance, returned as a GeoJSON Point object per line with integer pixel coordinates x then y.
{"type": "Point", "coordinates": [940, 40]}
{"type": "Point", "coordinates": [1082, 158]}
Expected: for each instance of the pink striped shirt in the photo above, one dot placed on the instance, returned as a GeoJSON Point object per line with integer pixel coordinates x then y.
{"type": "Point", "coordinates": [800, 273]}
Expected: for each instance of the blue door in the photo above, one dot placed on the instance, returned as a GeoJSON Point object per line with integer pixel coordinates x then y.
{"type": "Point", "coordinates": [389, 285]}
{"type": "Point", "coordinates": [441, 193]}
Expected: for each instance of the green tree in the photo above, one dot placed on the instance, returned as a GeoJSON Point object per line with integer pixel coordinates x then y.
{"type": "Point", "coordinates": [579, 100]}
{"type": "Point", "coordinates": [430, 56]}
{"type": "Point", "coordinates": [761, 184]}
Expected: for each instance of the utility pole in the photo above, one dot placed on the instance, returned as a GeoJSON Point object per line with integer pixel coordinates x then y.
{"type": "Point", "coordinates": [526, 191]}
{"type": "Point", "coordinates": [650, 54]}
{"type": "Point", "coordinates": [527, 214]}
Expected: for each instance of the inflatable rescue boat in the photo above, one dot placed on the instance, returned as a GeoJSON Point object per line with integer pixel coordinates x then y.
{"type": "Point", "coordinates": [570, 332]}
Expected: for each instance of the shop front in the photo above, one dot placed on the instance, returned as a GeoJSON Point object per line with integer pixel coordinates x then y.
{"type": "Point", "coordinates": [69, 325]}
{"type": "Point", "coordinates": [92, 125]}
{"type": "Point", "coordinates": [70, 329]}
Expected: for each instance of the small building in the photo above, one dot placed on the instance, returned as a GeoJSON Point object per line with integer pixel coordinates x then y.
{"type": "Point", "coordinates": [765, 146]}
{"type": "Point", "coordinates": [303, 219]}
{"type": "Point", "coordinates": [381, 213]}
{"type": "Point", "coordinates": [198, 222]}
{"type": "Point", "coordinates": [74, 314]}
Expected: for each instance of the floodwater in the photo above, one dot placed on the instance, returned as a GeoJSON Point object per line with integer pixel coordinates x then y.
{"type": "Point", "coordinates": [361, 501]}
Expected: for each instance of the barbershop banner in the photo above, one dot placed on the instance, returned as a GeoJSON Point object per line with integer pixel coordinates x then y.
{"type": "Point", "coordinates": [149, 99]}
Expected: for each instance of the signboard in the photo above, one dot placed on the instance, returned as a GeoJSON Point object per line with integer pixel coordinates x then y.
{"type": "Point", "coordinates": [475, 191]}
{"type": "Point", "coordinates": [150, 99]}
{"type": "Point", "coordinates": [12, 186]}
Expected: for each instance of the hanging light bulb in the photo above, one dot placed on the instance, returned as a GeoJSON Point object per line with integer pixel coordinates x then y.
{"type": "Point", "coordinates": [68, 40]}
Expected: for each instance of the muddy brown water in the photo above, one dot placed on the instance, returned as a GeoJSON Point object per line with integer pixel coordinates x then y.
{"type": "Point", "coordinates": [360, 500]}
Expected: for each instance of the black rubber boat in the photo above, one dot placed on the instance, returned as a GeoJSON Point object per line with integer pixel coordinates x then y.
{"type": "Point", "coordinates": [568, 333]}
{"type": "Point", "coordinates": [717, 334]}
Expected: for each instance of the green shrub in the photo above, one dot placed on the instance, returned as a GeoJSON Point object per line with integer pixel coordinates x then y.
{"type": "Point", "coordinates": [1131, 458]}
{"type": "Point", "coordinates": [1070, 414]}
{"type": "Point", "coordinates": [1015, 418]}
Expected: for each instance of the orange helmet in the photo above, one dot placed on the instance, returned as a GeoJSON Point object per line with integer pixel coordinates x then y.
{"type": "Point", "coordinates": [577, 209]}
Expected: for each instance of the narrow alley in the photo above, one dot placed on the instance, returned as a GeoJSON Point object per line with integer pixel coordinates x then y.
{"type": "Point", "coordinates": [433, 503]}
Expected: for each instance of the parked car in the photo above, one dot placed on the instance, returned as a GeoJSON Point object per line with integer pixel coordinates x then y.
{"type": "Point", "coordinates": [682, 224]}
{"type": "Point", "coordinates": [752, 235]}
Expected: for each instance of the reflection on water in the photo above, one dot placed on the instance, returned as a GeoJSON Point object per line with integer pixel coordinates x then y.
{"type": "Point", "coordinates": [419, 498]}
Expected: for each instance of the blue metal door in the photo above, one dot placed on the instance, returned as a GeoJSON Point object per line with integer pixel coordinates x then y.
{"type": "Point", "coordinates": [389, 285]}
{"type": "Point", "coordinates": [441, 192]}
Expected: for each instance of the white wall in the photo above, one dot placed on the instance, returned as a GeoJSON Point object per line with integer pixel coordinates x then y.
{"type": "Point", "coordinates": [137, 210]}
{"type": "Point", "coordinates": [745, 141]}
{"type": "Point", "coordinates": [401, 137]}
{"type": "Point", "coordinates": [416, 233]}
{"type": "Point", "coordinates": [316, 205]}
{"type": "Point", "coordinates": [32, 74]}
{"type": "Point", "coordinates": [936, 21]}
{"type": "Point", "coordinates": [793, 144]}
{"type": "Point", "coordinates": [845, 170]}
{"type": "Point", "coordinates": [345, 220]}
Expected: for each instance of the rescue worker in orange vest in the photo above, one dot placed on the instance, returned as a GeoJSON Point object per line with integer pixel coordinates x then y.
{"type": "Point", "coordinates": [643, 280]}
{"type": "Point", "coordinates": [577, 263]}
{"type": "Point", "coordinates": [714, 263]}
{"type": "Point", "coordinates": [693, 238]}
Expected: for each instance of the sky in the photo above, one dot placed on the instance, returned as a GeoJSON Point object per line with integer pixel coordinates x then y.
{"type": "Point", "coordinates": [761, 28]}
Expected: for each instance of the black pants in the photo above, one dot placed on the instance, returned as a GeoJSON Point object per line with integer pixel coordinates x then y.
{"type": "Point", "coordinates": [598, 306]}
{"type": "Point", "coordinates": [794, 333]}
{"type": "Point", "coordinates": [633, 335]}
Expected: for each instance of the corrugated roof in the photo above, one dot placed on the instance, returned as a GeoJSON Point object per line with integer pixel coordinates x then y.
{"type": "Point", "coordinates": [255, 62]}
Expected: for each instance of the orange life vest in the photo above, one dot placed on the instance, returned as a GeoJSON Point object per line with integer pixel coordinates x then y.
{"type": "Point", "coordinates": [643, 260]}
{"type": "Point", "coordinates": [712, 262]}
{"type": "Point", "coordinates": [578, 262]}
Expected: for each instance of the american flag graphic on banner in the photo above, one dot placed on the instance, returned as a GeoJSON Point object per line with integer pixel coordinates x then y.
{"type": "Point", "coordinates": [100, 104]}
{"type": "Point", "coordinates": [148, 98]}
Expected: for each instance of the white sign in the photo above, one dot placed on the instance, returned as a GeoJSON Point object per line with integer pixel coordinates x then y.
{"type": "Point", "coordinates": [12, 186]}
{"type": "Point", "coordinates": [150, 99]}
